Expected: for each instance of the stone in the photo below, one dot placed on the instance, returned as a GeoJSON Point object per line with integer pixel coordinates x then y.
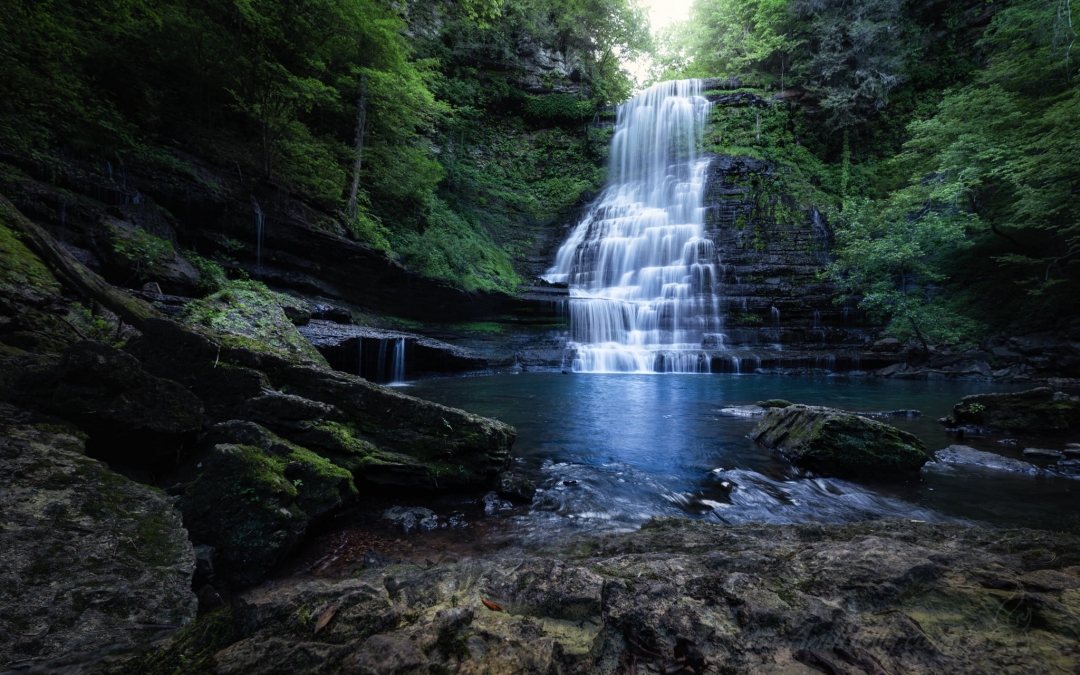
{"type": "Point", "coordinates": [965, 455]}
{"type": "Point", "coordinates": [410, 518]}
{"type": "Point", "coordinates": [887, 345]}
{"type": "Point", "coordinates": [88, 558]}
{"type": "Point", "coordinates": [493, 503]}
{"type": "Point", "coordinates": [516, 488]}
{"type": "Point", "coordinates": [1069, 466]}
{"type": "Point", "coordinates": [1043, 453]}
{"type": "Point", "coordinates": [905, 597]}
{"type": "Point", "coordinates": [253, 497]}
{"type": "Point", "coordinates": [1072, 446]}
{"type": "Point", "coordinates": [834, 442]}
{"type": "Point", "coordinates": [152, 287]}
{"type": "Point", "coordinates": [1071, 452]}
{"type": "Point", "coordinates": [1040, 411]}
{"type": "Point", "coordinates": [132, 417]}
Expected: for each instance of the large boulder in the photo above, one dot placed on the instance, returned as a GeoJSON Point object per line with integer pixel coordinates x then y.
{"type": "Point", "coordinates": [88, 558]}
{"type": "Point", "coordinates": [132, 417]}
{"type": "Point", "coordinates": [1037, 411]}
{"type": "Point", "coordinates": [254, 495]}
{"type": "Point", "coordinates": [834, 442]}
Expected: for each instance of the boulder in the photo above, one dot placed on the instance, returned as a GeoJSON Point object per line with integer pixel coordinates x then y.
{"type": "Point", "coordinates": [1039, 411]}
{"type": "Point", "coordinates": [774, 403]}
{"type": "Point", "coordinates": [834, 442]}
{"type": "Point", "coordinates": [516, 488]}
{"type": "Point", "coordinates": [962, 454]}
{"type": "Point", "coordinates": [412, 518]}
{"type": "Point", "coordinates": [132, 417]}
{"type": "Point", "coordinates": [254, 496]}
{"type": "Point", "coordinates": [88, 558]}
{"type": "Point", "coordinates": [1043, 453]}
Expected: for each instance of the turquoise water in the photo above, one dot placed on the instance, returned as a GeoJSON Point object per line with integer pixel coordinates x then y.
{"type": "Point", "coordinates": [610, 451]}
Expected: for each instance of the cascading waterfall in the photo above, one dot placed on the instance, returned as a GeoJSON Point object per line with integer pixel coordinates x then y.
{"type": "Point", "coordinates": [641, 272]}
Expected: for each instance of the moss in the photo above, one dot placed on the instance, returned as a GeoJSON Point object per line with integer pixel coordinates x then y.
{"type": "Point", "coordinates": [23, 275]}
{"type": "Point", "coordinates": [1035, 411]}
{"type": "Point", "coordinates": [774, 403]}
{"type": "Point", "coordinates": [255, 319]}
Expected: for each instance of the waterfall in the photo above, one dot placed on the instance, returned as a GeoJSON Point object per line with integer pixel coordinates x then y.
{"type": "Point", "coordinates": [641, 272]}
{"type": "Point", "coordinates": [398, 374]}
{"type": "Point", "coordinates": [258, 238]}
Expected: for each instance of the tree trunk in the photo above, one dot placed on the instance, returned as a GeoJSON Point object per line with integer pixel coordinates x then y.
{"type": "Point", "coordinates": [358, 145]}
{"type": "Point", "coordinates": [73, 273]}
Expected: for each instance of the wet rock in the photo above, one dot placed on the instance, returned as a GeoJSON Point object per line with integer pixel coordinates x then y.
{"type": "Point", "coordinates": [743, 411]}
{"type": "Point", "coordinates": [1043, 453]}
{"type": "Point", "coordinates": [493, 503]}
{"type": "Point", "coordinates": [835, 442]}
{"type": "Point", "coordinates": [516, 488]}
{"type": "Point", "coordinates": [1069, 466]}
{"type": "Point", "coordinates": [410, 518]}
{"type": "Point", "coordinates": [962, 454]}
{"type": "Point", "coordinates": [1072, 453]}
{"type": "Point", "coordinates": [1039, 410]}
{"type": "Point", "coordinates": [254, 497]}
{"type": "Point", "coordinates": [895, 596]}
{"type": "Point", "coordinates": [133, 417]}
{"type": "Point", "coordinates": [88, 558]}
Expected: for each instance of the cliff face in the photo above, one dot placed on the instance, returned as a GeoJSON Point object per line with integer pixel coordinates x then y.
{"type": "Point", "coordinates": [771, 257]}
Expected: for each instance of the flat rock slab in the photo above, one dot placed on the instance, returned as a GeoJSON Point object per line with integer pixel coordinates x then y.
{"type": "Point", "coordinates": [88, 558]}
{"type": "Point", "coordinates": [968, 456]}
{"type": "Point", "coordinates": [1038, 411]}
{"type": "Point", "coordinates": [895, 596]}
{"type": "Point", "coordinates": [428, 355]}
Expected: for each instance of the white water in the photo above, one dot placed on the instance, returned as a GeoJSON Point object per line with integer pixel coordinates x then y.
{"type": "Point", "coordinates": [641, 272]}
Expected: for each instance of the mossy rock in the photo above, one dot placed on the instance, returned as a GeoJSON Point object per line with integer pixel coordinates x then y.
{"type": "Point", "coordinates": [262, 318]}
{"type": "Point", "coordinates": [1038, 411]}
{"type": "Point", "coordinates": [255, 497]}
{"type": "Point", "coordinates": [834, 442]}
{"type": "Point", "coordinates": [774, 403]}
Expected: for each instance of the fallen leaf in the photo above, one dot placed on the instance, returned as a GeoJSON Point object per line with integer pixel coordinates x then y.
{"type": "Point", "coordinates": [325, 617]}
{"type": "Point", "coordinates": [491, 605]}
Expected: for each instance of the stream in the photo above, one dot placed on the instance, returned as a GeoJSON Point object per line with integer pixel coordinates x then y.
{"type": "Point", "coordinates": [608, 452]}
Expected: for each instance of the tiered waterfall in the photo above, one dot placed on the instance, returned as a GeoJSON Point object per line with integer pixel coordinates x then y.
{"type": "Point", "coordinates": [641, 272]}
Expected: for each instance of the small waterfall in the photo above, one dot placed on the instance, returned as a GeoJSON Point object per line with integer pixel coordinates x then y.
{"type": "Point", "coordinates": [258, 238]}
{"type": "Point", "coordinates": [398, 374]}
{"type": "Point", "coordinates": [641, 271]}
{"type": "Point", "coordinates": [775, 313]}
{"type": "Point", "coordinates": [380, 366]}
{"type": "Point", "coordinates": [817, 319]}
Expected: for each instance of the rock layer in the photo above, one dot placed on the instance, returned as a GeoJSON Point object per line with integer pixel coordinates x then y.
{"type": "Point", "coordinates": [1040, 411]}
{"type": "Point", "coordinates": [894, 597]}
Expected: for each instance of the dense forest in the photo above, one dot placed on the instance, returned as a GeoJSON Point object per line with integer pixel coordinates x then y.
{"type": "Point", "coordinates": [936, 137]}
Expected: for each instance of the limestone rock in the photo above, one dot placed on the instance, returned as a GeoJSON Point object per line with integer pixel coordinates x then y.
{"type": "Point", "coordinates": [1040, 411]}
{"type": "Point", "coordinates": [88, 558]}
{"type": "Point", "coordinates": [516, 488]}
{"type": "Point", "coordinates": [831, 441]}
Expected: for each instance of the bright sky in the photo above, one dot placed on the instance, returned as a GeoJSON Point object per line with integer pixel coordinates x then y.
{"type": "Point", "coordinates": [661, 14]}
{"type": "Point", "coordinates": [664, 12]}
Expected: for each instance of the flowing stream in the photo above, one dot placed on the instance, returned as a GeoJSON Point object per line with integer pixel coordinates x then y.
{"type": "Point", "coordinates": [641, 272]}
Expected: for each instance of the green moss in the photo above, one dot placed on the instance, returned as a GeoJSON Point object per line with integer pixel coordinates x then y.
{"type": "Point", "coordinates": [255, 318]}
{"type": "Point", "coordinates": [23, 274]}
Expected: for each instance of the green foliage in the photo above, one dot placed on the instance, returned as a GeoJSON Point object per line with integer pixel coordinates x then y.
{"type": "Point", "coordinates": [212, 277]}
{"type": "Point", "coordinates": [141, 250]}
{"type": "Point", "coordinates": [559, 106]}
